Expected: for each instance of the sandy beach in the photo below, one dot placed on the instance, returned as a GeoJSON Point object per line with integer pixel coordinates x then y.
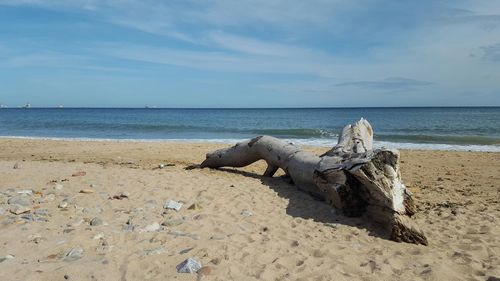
{"type": "Point", "coordinates": [95, 211]}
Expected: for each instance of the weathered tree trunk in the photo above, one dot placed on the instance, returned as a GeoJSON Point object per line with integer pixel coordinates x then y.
{"type": "Point", "coordinates": [351, 176]}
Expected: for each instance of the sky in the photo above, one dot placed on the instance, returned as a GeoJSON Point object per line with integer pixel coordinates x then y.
{"type": "Point", "coordinates": [261, 53]}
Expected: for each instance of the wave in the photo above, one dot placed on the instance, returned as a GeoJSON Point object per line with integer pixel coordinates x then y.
{"type": "Point", "coordinates": [308, 142]}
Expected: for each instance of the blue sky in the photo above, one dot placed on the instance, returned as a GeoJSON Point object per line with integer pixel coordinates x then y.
{"type": "Point", "coordinates": [262, 53]}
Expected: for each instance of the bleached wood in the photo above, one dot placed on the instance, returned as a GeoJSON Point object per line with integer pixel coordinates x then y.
{"type": "Point", "coordinates": [352, 177]}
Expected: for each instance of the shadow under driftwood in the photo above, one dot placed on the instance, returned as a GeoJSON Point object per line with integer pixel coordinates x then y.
{"type": "Point", "coordinates": [306, 206]}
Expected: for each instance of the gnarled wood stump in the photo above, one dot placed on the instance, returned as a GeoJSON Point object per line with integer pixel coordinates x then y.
{"type": "Point", "coordinates": [352, 177]}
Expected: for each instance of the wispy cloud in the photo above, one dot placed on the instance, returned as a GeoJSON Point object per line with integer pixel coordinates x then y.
{"type": "Point", "coordinates": [392, 83]}
{"type": "Point", "coordinates": [491, 52]}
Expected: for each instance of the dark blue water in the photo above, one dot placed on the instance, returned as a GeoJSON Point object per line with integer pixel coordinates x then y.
{"type": "Point", "coordinates": [456, 126]}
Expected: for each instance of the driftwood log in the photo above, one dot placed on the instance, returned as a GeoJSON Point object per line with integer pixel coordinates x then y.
{"type": "Point", "coordinates": [352, 177]}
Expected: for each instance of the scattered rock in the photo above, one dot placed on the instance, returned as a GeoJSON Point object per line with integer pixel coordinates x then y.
{"type": "Point", "coordinates": [121, 195]}
{"type": "Point", "coordinates": [128, 226]}
{"type": "Point", "coordinates": [66, 277]}
{"type": "Point", "coordinates": [21, 200]}
{"type": "Point", "coordinates": [35, 238]}
{"type": "Point", "coordinates": [96, 221]}
{"type": "Point", "coordinates": [150, 204]}
{"type": "Point", "coordinates": [155, 251]}
{"type": "Point", "coordinates": [16, 166]}
{"type": "Point", "coordinates": [172, 222]}
{"type": "Point", "coordinates": [63, 205]}
{"type": "Point", "coordinates": [440, 179]}
{"type": "Point", "coordinates": [195, 207]}
{"type": "Point", "coordinates": [79, 174]}
{"type": "Point", "coordinates": [58, 186]}
{"type": "Point", "coordinates": [98, 236]}
{"type": "Point", "coordinates": [7, 257]}
{"type": "Point", "coordinates": [191, 265]}
{"type": "Point", "coordinates": [205, 270]}
{"type": "Point", "coordinates": [152, 227]}
{"type": "Point", "coordinates": [173, 205]}
{"type": "Point", "coordinates": [73, 254]}
{"type": "Point", "coordinates": [217, 237]}
{"type": "Point", "coordinates": [185, 251]}
{"type": "Point", "coordinates": [25, 192]}
{"type": "Point", "coordinates": [87, 190]}
{"type": "Point", "coordinates": [17, 209]}
{"type": "Point", "coordinates": [295, 243]}
{"type": "Point", "coordinates": [246, 213]}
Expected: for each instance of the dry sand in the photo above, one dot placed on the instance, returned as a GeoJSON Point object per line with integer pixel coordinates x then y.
{"type": "Point", "coordinates": [245, 227]}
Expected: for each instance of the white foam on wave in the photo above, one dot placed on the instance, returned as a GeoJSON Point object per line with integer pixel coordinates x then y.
{"type": "Point", "coordinates": [308, 142]}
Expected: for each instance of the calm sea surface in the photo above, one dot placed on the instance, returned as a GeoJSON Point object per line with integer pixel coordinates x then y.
{"type": "Point", "coordinates": [466, 128]}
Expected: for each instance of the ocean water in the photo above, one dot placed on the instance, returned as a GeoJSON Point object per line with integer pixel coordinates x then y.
{"type": "Point", "coordinates": [449, 128]}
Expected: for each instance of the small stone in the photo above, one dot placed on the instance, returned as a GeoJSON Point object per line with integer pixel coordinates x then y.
{"type": "Point", "coordinates": [440, 179]}
{"type": "Point", "coordinates": [21, 200]}
{"type": "Point", "coordinates": [98, 236]}
{"type": "Point", "coordinates": [16, 166]}
{"type": "Point", "coordinates": [332, 225]}
{"type": "Point", "coordinates": [121, 195]}
{"type": "Point", "coordinates": [87, 190]}
{"type": "Point", "coordinates": [195, 207]}
{"type": "Point", "coordinates": [155, 251]}
{"type": "Point", "coordinates": [58, 186]}
{"type": "Point", "coordinates": [246, 213]}
{"type": "Point", "coordinates": [205, 270]}
{"type": "Point", "coordinates": [66, 277]}
{"type": "Point", "coordinates": [17, 210]}
{"type": "Point", "coordinates": [172, 222]}
{"type": "Point", "coordinates": [7, 257]}
{"type": "Point", "coordinates": [216, 261]}
{"type": "Point", "coordinates": [190, 265]}
{"type": "Point", "coordinates": [96, 221]}
{"type": "Point", "coordinates": [73, 254]}
{"type": "Point", "coordinates": [173, 205]}
{"type": "Point", "coordinates": [152, 227]}
{"type": "Point", "coordinates": [185, 251]}
{"type": "Point", "coordinates": [63, 205]}
{"type": "Point", "coordinates": [79, 174]}
{"type": "Point", "coordinates": [25, 192]}
{"type": "Point", "coordinates": [295, 243]}
{"type": "Point", "coordinates": [218, 237]}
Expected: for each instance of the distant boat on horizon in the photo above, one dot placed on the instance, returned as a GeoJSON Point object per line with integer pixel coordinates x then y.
{"type": "Point", "coordinates": [27, 105]}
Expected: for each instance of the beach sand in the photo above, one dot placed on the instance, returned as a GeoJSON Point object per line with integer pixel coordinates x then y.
{"type": "Point", "coordinates": [243, 226]}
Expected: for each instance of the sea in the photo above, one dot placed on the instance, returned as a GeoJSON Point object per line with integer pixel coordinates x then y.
{"type": "Point", "coordinates": [435, 128]}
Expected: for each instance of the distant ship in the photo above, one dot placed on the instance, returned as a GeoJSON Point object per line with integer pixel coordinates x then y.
{"type": "Point", "coordinates": [27, 105]}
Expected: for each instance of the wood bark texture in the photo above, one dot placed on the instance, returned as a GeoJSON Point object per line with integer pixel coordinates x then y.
{"type": "Point", "coordinates": [352, 177]}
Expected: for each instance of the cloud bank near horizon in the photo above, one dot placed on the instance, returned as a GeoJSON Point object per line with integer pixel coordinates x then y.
{"type": "Point", "coordinates": [223, 53]}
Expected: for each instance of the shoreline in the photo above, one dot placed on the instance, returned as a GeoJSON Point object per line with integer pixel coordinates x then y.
{"type": "Point", "coordinates": [301, 142]}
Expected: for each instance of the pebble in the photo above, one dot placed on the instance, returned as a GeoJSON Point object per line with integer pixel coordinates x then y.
{"type": "Point", "coordinates": [58, 186]}
{"type": "Point", "coordinates": [16, 166]}
{"type": "Point", "coordinates": [195, 207]}
{"type": "Point", "coordinates": [172, 222]}
{"type": "Point", "coordinates": [79, 174]}
{"type": "Point", "coordinates": [98, 236]}
{"type": "Point", "coordinates": [17, 210]}
{"type": "Point", "coordinates": [152, 227]}
{"type": "Point", "coordinates": [246, 213]}
{"type": "Point", "coordinates": [150, 204]}
{"type": "Point", "coordinates": [173, 205]}
{"type": "Point", "coordinates": [96, 221]}
{"type": "Point", "coordinates": [155, 251]}
{"type": "Point", "coordinates": [87, 190]}
{"type": "Point", "coordinates": [205, 270]}
{"type": "Point", "coordinates": [21, 200]}
{"type": "Point", "coordinates": [63, 205]}
{"type": "Point", "coordinates": [73, 254]}
{"type": "Point", "coordinates": [25, 192]}
{"type": "Point", "coordinates": [190, 265]}
{"type": "Point", "coordinates": [121, 195]}
{"type": "Point", "coordinates": [7, 257]}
